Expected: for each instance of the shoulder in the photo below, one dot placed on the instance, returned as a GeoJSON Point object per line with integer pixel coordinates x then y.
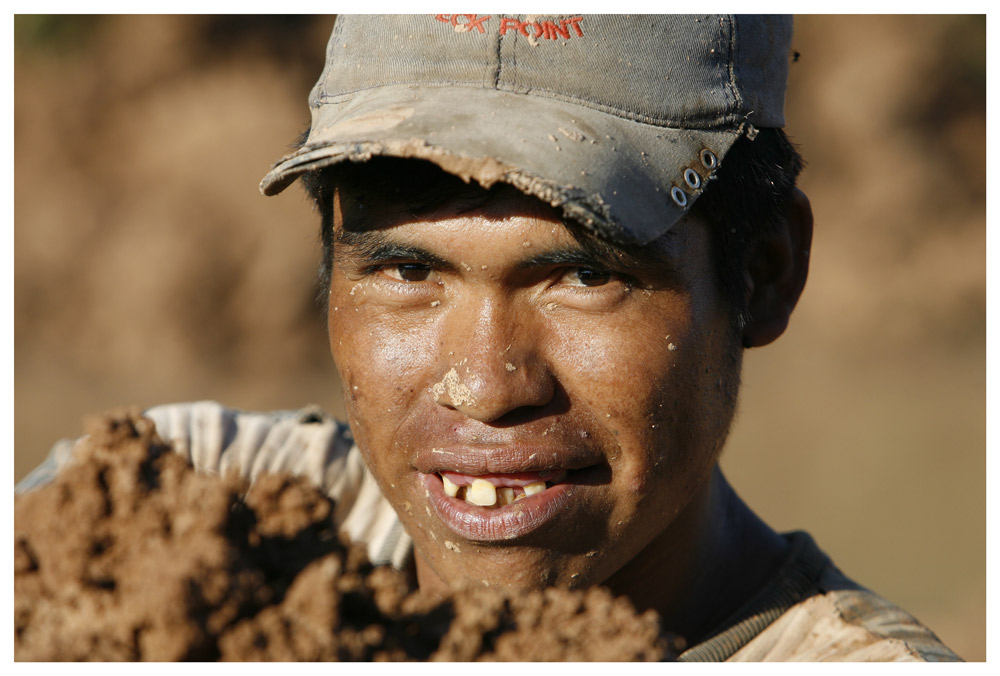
{"type": "Point", "coordinates": [220, 439]}
{"type": "Point", "coordinates": [843, 621]}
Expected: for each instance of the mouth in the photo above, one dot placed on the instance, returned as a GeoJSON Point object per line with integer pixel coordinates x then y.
{"type": "Point", "coordinates": [500, 507]}
{"type": "Point", "coordinates": [498, 490]}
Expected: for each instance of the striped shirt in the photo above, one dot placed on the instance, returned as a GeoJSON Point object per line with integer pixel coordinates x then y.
{"type": "Point", "coordinates": [807, 611]}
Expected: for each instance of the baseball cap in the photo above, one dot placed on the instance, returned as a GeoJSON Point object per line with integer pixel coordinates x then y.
{"type": "Point", "coordinates": [620, 121]}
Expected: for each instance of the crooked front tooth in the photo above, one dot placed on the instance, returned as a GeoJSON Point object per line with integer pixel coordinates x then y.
{"type": "Point", "coordinates": [481, 493]}
{"type": "Point", "coordinates": [536, 487]}
{"type": "Point", "coordinates": [505, 496]}
{"type": "Point", "coordinates": [450, 487]}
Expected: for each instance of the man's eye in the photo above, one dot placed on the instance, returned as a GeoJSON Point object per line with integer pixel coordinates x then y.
{"type": "Point", "coordinates": [408, 272]}
{"type": "Point", "coordinates": [587, 277]}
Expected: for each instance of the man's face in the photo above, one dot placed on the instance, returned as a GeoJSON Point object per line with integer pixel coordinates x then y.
{"type": "Point", "coordinates": [589, 396]}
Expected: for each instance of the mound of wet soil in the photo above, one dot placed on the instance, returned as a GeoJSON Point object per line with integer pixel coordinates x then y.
{"type": "Point", "coordinates": [132, 555]}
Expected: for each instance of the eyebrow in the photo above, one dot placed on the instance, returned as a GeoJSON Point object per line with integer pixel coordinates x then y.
{"type": "Point", "coordinates": [658, 255]}
{"type": "Point", "coordinates": [580, 255]}
{"type": "Point", "coordinates": [374, 246]}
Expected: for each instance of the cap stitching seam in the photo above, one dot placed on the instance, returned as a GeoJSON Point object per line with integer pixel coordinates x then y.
{"type": "Point", "coordinates": [737, 99]}
{"type": "Point", "coordinates": [335, 34]}
{"type": "Point", "coordinates": [514, 39]}
{"type": "Point", "coordinates": [496, 75]}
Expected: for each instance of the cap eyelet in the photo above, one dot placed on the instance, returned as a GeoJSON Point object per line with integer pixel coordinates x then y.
{"type": "Point", "coordinates": [680, 197]}
{"type": "Point", "coordinates": [692, 178]}
{"type": "Point", "coordinates": [709, 159]}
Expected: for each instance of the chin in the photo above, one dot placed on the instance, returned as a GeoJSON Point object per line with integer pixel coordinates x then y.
{"type": "Point", "coordinates": [517, 569]}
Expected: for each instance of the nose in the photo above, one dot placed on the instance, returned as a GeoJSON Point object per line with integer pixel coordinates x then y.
{"type": "Point", "coordinates": [493, 363]}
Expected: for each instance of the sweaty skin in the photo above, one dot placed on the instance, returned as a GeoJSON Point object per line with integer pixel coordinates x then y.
{"type": "Point", "coordinates": [624, 375]}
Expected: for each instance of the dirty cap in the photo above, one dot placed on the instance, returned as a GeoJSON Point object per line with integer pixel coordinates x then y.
{"type": "Point", "coordinates": [618, 120]}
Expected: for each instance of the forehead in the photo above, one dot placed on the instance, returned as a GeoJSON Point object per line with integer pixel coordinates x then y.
{"type": "Point", "coordinates": [365, 199]}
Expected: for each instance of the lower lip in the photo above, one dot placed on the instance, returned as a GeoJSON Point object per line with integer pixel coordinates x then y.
{"type": "Point", "coordinates": [497, 524]}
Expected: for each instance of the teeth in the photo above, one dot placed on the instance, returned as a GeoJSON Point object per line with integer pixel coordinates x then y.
{"type": "Point", "coordinates": [505, 496]}
{"type": "Point", "coordinates": [450, 488]}
{"type": "Point", "coordinates": [536, 487]}
{"type": "Point", "coordinates": [482, 493]}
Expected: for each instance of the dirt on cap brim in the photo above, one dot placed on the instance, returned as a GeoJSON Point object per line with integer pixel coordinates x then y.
{"type": "Point", "coordinates": [130, 554]}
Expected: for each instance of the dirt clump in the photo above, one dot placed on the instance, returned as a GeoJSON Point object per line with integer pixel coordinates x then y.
{"type": "Point", "coordinates": [130, 554]}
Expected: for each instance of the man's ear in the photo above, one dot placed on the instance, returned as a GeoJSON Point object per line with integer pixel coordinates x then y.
{"type": "Point", "coordinates": [776, 273]}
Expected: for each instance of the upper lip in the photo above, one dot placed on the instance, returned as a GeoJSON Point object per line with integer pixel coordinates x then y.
{"type": "Point", "coordinates": [502, 459]}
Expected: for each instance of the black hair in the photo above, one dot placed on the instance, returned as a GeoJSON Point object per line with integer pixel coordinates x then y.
{"type": "Point", "coordinates": [744, 203]}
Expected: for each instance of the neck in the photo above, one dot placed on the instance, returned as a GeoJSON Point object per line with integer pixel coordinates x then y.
{"type": "Point", "coordinates": [714, 558]}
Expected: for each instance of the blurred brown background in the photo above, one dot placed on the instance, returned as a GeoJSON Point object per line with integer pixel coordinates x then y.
{"type": "Point", "coordinates": [148, 269]}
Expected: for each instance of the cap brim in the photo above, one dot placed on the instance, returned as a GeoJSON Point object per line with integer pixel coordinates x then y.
{"type": "Point", "coordinates": [613, 175]}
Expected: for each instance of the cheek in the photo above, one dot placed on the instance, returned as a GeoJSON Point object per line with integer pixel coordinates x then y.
{"type": "Point", "coordinates": [624, 369]}
{"type": "Point", "coordinates": [651, 388]}
{"type": "Point", "coordinates": [383, 364]}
